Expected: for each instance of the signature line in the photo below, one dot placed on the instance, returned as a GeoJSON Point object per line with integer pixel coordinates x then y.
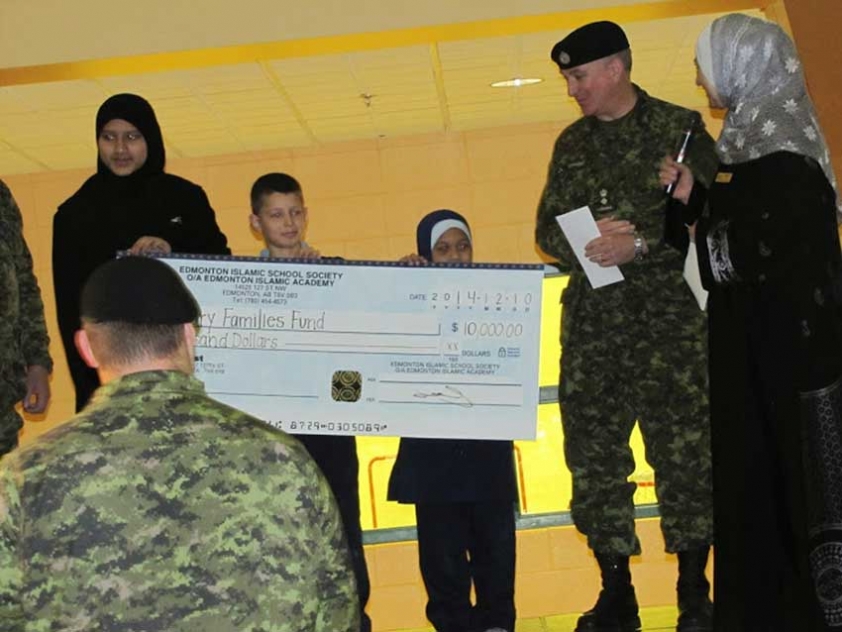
{"type": "Point", "coordinates": [450, 395]}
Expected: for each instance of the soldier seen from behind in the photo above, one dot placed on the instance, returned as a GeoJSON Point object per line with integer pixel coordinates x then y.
{"type": "Point", "coordinates": [158, 508]}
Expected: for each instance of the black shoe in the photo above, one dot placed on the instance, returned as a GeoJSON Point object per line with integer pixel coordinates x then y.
{"type": "Point", "coordinates": [695, 609]}
{"type": "Point", "coordinates": [616, 608]}
{"type": "Point", "coordinates": [698, 618]}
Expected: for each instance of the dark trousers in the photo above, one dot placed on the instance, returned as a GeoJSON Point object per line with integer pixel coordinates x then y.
{"type": "Point", "coordinates": [337, 458]}
{"type": "Point", "coordinates": [600, 403]}
{"type": "Point", "coordinates": [464, 541]}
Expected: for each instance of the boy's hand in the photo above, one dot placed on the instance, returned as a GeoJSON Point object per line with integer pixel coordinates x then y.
{"type": "Point", "coordinates": [309, 253]}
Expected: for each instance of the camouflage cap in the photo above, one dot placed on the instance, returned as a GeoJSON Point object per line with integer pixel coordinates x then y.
{"type": "Point", "coordinates": [589, 43]}
{"type": "Point", "coordinates": [137, 290]}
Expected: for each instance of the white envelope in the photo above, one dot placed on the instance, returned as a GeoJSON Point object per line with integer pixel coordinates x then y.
{"type": "Point", "coordinates": [693, 277]}
{"type": "Point", "coordinates": [580, 228]}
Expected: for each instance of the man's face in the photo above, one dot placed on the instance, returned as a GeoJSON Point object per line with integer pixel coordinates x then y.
{"type": "Point", "coordinates": [592, 85]}
{"type": "Point", "coordinates": [281, 220]}
{"type": "Point", "coordinates": [453, 247]}
{"type": "Point", "coordinates": [122, 148]}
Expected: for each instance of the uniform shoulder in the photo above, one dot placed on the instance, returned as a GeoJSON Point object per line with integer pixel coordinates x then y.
{"type": "Point", "coordinates": [54, 446]}
{"type": "Point", "coordinates": [245, 426]}
{"type": "Point", "coordinates": [579, 128]}
{"type": "Point", "coordinates": [252, 440]}
{"type": "Point", "coordinates": [191, 423]}
{"type": "Point", "coordinates": [668, 110]}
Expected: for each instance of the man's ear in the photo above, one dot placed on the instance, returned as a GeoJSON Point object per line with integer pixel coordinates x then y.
{"type": "Point", "coordinates": [615, 67]}
{"type": "Point", "coordinates": [188, 344]}
{"type": "Point", "coordinates": [83, 345]}
{"type": "Point", "coordinates": [190, 335]}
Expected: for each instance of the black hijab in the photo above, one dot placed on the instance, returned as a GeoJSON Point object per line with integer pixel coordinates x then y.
{"type": "Point", "coordinates": [137, 111]}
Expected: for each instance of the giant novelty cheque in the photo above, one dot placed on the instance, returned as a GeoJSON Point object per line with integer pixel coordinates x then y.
{"type": "Point", "coordinates": [370, 348]}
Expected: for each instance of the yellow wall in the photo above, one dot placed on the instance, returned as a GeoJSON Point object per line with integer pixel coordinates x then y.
{"type": "Point", "coordinates": [365, 199]}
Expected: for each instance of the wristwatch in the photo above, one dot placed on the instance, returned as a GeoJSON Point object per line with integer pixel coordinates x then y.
{"type": "Point", "coordinates": [639, 247]}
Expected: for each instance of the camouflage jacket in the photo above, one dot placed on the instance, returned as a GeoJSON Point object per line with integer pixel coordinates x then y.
{"type": "Point", "coordinates": [613, 168]}
{"type": "Point", "coordinates": [160, 509]}
{"type": "Point", "coordinates": [23, 331]}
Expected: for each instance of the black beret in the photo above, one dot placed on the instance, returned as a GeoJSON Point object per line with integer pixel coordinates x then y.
{"type": "Point", "coordinates": [589, 43]}
{"type": "Point", "coordinates": [137, 290]}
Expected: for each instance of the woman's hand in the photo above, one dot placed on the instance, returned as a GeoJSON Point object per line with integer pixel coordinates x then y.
{"type": "Point", "coordinates": [672, 172]}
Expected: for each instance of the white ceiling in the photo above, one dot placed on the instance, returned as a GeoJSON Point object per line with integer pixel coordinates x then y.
{"type": "Point", "coordinates": [311, 100]}
{"type": "Point", "coordinates": [36, 32]}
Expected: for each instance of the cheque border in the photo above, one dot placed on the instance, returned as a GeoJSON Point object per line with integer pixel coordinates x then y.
{"type": "Point", "coordinates": [372, 263]}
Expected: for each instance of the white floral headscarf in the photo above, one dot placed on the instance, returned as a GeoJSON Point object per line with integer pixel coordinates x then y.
{"type": "Point", "coordinates": [758, 77]}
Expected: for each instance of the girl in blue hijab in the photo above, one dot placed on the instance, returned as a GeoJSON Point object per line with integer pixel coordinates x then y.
{"type": "Point", "coordinates": [463, 491]}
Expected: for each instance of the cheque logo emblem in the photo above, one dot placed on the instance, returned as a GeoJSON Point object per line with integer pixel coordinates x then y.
{"type": "Point", "coordinates": [346, 386]}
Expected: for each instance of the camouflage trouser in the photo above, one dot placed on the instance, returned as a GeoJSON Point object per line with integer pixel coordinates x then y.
{"type": "Point", "coordinates": [10, 425]}
{"type": "Point", "coordinates": [602, 393]}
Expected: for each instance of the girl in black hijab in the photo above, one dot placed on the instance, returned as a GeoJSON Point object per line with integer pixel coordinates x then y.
{"type": "Point", "coordinates": [129, 204]}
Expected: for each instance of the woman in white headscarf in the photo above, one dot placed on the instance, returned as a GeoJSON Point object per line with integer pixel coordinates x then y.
{"type": "Point", "coordinates": [769, 253]}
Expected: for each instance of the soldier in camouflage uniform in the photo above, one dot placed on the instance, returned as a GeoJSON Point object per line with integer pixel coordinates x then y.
{"type": "Point", "coordinates": [25, 362]}
{"type": "Point", "coordinates": [157, 508]}
{"type": "Point", "coordinates": [634, 350]}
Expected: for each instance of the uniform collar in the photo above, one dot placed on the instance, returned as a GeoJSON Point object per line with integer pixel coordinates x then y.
{"type": "Point", "coordinates": [148, 383]}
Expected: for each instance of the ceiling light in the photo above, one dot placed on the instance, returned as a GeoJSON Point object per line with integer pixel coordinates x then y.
{"type": "Point", "coordinates": [517, 82]}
